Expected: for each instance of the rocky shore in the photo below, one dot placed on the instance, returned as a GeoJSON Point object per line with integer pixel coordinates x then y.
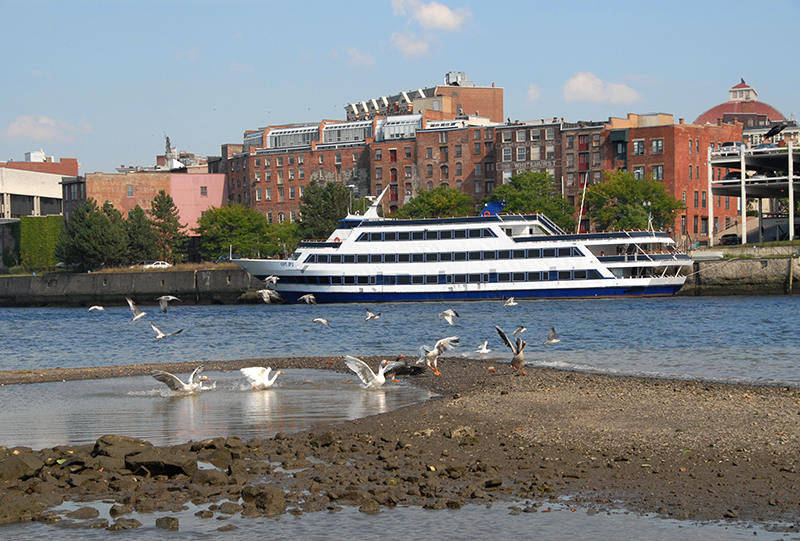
{"type": "Point", "coordinates": [688, 450]}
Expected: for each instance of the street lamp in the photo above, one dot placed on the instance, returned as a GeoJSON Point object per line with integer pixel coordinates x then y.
{"type": "Point", "coordinates": [352, 188]}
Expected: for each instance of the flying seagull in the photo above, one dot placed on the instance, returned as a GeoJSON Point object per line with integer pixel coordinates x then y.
{"type": "Point", "coordinates": [519, 330]}
{"type": "Point", "coordinates": [321, 320]}
{"type": "Point", "coordinates": [431, 355]}
{"type": "Point", "coordinates": [400, 367]}
{"type": "Point", "coordinates": [270, 296]}
{"type": "Point", "coordinates": [308, 298]}
{"type": "Point", "coordinates": [774, 130]}
{"type": "Point", "coordinates": [173, 382]}
{"type": "Point", "coordinates": [482, 349]}
{"type": "Point", "coordinates": [370, 315]}
{"type": "Point", "coordinates": [96, 308]}
{"type": "Point", "coordinates": [370, 379]}
{"type": "Point", "coordinates": [518, 360]}
{"type": "Point", "coordinates": [448, 315]}
{"type": "Point", "coordinates": [551, 337]}
{"type": "Point", "coordinates": [271, 279]}
{"type": "Point", "coordinates": [510, 302]}
{"type": "Point", "coordinates": [164, 300]}
{"type": "Point", "coordinates": [258, 377]}
{"type": "Point", "coordinates": [137, 312]}
{"type": "Point", "coordinates": [160, 335]}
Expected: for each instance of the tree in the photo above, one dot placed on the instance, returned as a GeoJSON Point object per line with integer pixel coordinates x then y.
{"type": "Point", "coordinates": [170, 236]}
{"type": "Point", "coordinates": [529, 192]}
{"type": "Point", "coordinates": [619, 203]}
{"type": "Point", "coordinates": [440, 201]}
{"type": "Point", "coordinates": [322, 206]}
{"type": "Point", "coordinates": [141, 236]}
{"type": "Point", "coordinates": [91, 239]}
{"type": "Point", "coordinates": [233, 226]}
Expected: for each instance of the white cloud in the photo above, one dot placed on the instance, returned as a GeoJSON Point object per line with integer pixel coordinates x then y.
{"type": "Point", "coordinates": [586, 86]}
{"type": "Point", "coordinates": [433, 16]}
{"type": "Point", "coordinates": [360, 58]}
{"type": "Point", "coordinates": [533, 92]}
{"type": "Point", "coordinates": [238, 66]}
{"type": "Point", "coordinates": [44, 129]}
{"type": "Point", "coordinates": [189, 54]}
{"type": "Point", "coordinates": [409, 46]}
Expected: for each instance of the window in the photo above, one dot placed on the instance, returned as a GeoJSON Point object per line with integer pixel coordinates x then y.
{"type": "Point", "coordinates": [392, 154]}
{"type": "Point", "coordinates": [697, 146]}
{"type": "Point", "coordinates": [430, 185]}
{"type": "Point", "coordinates": [683, 225]}
{"type": "Point", "coordinates": [595, 159]}
{"type": "Point", "coordinates": [507, 154]}
{"type": "Point", "coordinates": [378, 188]}
{"type": "Point", "coordinates": [130, 191]}
{"type": "Point", "coordinates": [408, 152]}
{"type": "Point", "coordinates": [445, 172]}
{"type": "Point", "coordinates": [488, 147]}
{"type": "Point", "coordinates": [658, 146]}
{"type": "Point", "coordinates": [267, 176]}
{"type": "Point", "coordinates": [506, 136]}
{"type": "Point", "coordinates": [536, 135]}
{"type": "Point", "coordinates": [570, 141]}
{"type": "Point", "coordinates": [570, 179]}
{"type": "Point", "coordinates": [443, 137]}
{"type": "Point", "coordinates": [520, 136]}
{"type": "Point", "coordinates": [291, 174]}
{"type": "Point", "coordinates": [638, 173]}
{"type": "Point", "coordinates": [379, 172]}
{"type": "Point", "coordinates": [378, 154]}
{"type": "Point", "coordinates": [550, 133]}
{"type": "Point", "coordinates": [258, 162]}
{"type": "Point", "coordinates": [281, 217]}
{"type": "Point", "coordinates": [690, 172]}
{"type": "Point", "coordinates": [268, 197]}
{"type": "Point", "coordinates": [269, 217]}
{"type": "Point", "coordinates": [337, 158]}
{"type": "Point", "coordinates": [280, 177]}
{"type": "Point", "coordinates": [458, 151]}
{"type": "Point", "coordinates": [696, 198]}
{"type": "Point", "coordinates": [520, 154]}
{"type": "Point", "coordinates": [408, 171]}
{"type": "Point", "coordinates": [638, 148]}
{"type": "Point", "coordinates": [409, 188]}
{"type": "Point", "coordinates": [596, 140]}
{"type": "Point", "coordinates": [429, 153]}
{"type": "Point", "coordinates": [280, 195]}
{"type": "Point", "coordinates": [291, 192]}
{"type": "Point", "coordinates": [684, 197]}
{"type": "Point", "coordinates": [258, 194]}
{"type": "Point", "coordinates": [704, 199]}
{"type": "Point", "coordinates": [658, 172]}
{"type": "Point", "coordinates": [300, 159]}
{"type": "Point", "coordinates": [477, 186]}
{"type": "Point", "coordinates": [583, 142]}
{"type": "Point", "coordinates": [291, 160]}
{"type": "Point", "coordinates": [697, 172]}
{"type": "Point", "coordinates": [258, 176]}
{"type": "Point", "coordinates": [478, 170]}
{"type": "Point", "coordinates": [477, 149]}
{"type": "Point", "coordinates": [459, 170]}
{"type": "Point", "coordinates": [430, 170]}
{"type": "Point", "coordinates": [477, 134]}
{"type": "Point", "coordinates": [690, 146]}
{"type": "Point", "coordinates": [536, 153]}
{"type": "Point", "coordinates": [279, 161]}
{"type": "Point", "coordinates": [301, 173]}
{"type": "Point", "coordinates": [321, 159]}
{"type": "Point", "coordinates": [443, 154]}
{"type": "Point", "coordinates": [583, 160]}
{"type": "Point", "coordinates": [203, 191]}
{"type": "Point", "coordinates": [695, 225]}
{"type": "Point", "coordinates": [551, 152]}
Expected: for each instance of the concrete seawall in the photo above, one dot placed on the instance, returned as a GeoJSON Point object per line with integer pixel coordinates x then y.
{"type": "Point", "coordinates": [226, 286]}
{"type": "Point", "coordinates": [768, 276]}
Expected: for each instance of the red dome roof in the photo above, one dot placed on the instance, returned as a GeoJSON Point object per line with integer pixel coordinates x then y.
{"type": "Point", "coordinates": [736, 107]}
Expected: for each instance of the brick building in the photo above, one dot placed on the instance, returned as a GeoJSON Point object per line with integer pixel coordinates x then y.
{"type": "Point", "coordinates": [33, 187]}
{"type": "Point", "coordinates": [528, 146]}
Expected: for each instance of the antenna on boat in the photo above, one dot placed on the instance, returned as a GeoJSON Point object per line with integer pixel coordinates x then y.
{"type": "Point", "coordinates": [372, 210]}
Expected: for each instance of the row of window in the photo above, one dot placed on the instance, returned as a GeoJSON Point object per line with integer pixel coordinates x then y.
{"type": "Point", "coordinates": [444, 257]}
{"type": "Point", "coordinates": [658, 172]}
{"type": "Point", "coordinates": [268, 193]}
{"type": "Point", "coordinates": [535, 153]}
{"type": "Point", "coordinates": [438, 279]}
{"type": "Point", "coordinates": [442, 234]}
{"type": "Point", "coordinates": [532, 135]}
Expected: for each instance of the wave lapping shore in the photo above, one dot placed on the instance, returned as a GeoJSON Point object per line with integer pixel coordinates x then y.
{"type": "Point", "coordinates": [687, 450]}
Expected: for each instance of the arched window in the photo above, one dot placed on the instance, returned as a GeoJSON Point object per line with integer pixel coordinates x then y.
{"type": "Point", "coordinates": [281, 217]}
{"type": "Point", "coordinates": [445, 172]}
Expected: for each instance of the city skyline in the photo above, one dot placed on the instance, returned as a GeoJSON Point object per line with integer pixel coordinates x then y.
{"type": "Point", "coordinates": [104, 82]}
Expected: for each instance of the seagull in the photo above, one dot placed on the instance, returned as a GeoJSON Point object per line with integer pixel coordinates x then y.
{"type": "Point", "coordinates": [270, 295]}
{"type": "Point", "coordinates": [482, 349]}
{"type": "Point", "coordinates": [96, 307]}
{"type": "Point", "coordinates": [271, 279]}
{"type": "Point", "coordinates": [519, 330]}
{"type": "Point", "coordinates": [399, 367]}
{"type": "Point", "coordinates": [258, 377]}
{"type": "Point", "coordinates": [510, 302]}
{"type": "Point", "coordinates": [551, 337]}
{"type": "Point", "coordinates": [137, 312]}
{"type": "Point", "coordinates": [448, 315]}
{"type": "Point", "coordinates": [164, 300]}
{"type": "Point", "coordinates": [172, 381]}
{"type": "Point", "coordinates": [431, 355]}
{"type": "Point", "coordinates": [321, 320]}
{"type": "Point", "coordinates": [518, 360]}
{"type": "Point", "coordinates": [370, 379]}
{"type": "Point", "coordinates": [370, 315]}
{"type": "Point", "coordinates": [160, 335]}
{"type": "Point", "coordinates": [308, 298]}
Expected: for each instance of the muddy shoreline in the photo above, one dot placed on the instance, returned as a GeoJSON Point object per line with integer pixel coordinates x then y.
{"type": "Point", "coordinates": [689, 450]}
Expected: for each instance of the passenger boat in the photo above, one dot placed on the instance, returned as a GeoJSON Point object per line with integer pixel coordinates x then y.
{"type": "Point", "coordinates": [490, 256]}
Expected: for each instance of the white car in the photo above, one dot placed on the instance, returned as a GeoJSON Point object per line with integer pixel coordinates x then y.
{"type": "Point", "coordinates": [157, 265]}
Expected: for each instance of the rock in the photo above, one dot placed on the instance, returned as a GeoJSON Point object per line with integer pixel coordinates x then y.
{"type": "Point", "coordinates": [125, 524]}
{"type": "Point", "coordinates": [18, 507]}
{"type": "Point", "coordinates": [205, 513]}
{"type": "Point", "coordinates": [460, 432]}
{"type": "Point", "coordinates": [272, 501]}
{"type": "Point", "coordinates": [118, 446]}
{"type": "Point", "coordinates": [233, 442]}
{"type": "Point", "coordinates": [323, 440]}
{"type": "Point", "coordinates": [117, 510]}
{"type": "Point", "coordinates": [221, 457]}
{"type": "Point", "coordinates": [21, 466]}
{"type": "Point", "coordinates": [84, 513]}
{"type": "Point", "coordinates": [98, 523]}
{"type": "Point", "coordinates": [211, 443]}
{"type": "Point", "coordinates": [370, 507]}
{"type": "Point", "coordinates": [209, 477]}
{"type": "Point", "coordinates": [167, 523]}
{"type": "Point", "coordinates": [152, 461]}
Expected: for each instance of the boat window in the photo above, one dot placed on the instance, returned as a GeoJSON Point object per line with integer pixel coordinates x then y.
{"type": "Point", "coordinates": [375, 258]}
{"type": "Point", "coordinates": [460, 234]}
{"type": "Point", "coordinates": [449, 278]}
{"type": "Point", "coordinates": [363, 258]}
{"type": "Point", "coordinates": [389, 258]}
{"type": "Point", "coordinates": [518, 276]}
{"type": "Point", "coordinates": [564, 252]}
{"type": "Point", "coordinates": [553, 276]}
{"type": "Point", "coordinates": [549, 252]}
{"type": "Point", "coordinates": [432, 257]}
{"type": "Point", "coordinates": [403, 235]}
{"type": "Point", "coordinates": [518, 254]}
{"type": "Point", "coordinates": [431, 235]}
{"type": "Point", "coordinates": [577, 252]}
{"type": "Point", "coordinates": [535, 253]}
{"type": "Point", "coordinates": [446, 256]}
{"type": "Point", "coordinates": [489, 255]}
{"type": "Point", "coordinates": [362, 280]}
{"type": "Point", "coordinates": [403, 280]}
{"type": "Point", "coordinates": [417, 235]}
{"type": "Point", "coordinates": [474, 256]}
{"type": "Point", "coordinates": [375, 237]}
{"type": "Point", "coordinates": [579, 275]}
{"type": "Point", "coordinates": [311, 259]}
{"type": "Point", "coordinates": [349, 258]}
{"type": "Point", "coordinates": [311, 279]}
{"type": "Point", "coordinates": [460, 256]}
{"type": "Point", "coordinates": [403, 258]}
{"type": "Point", "coordinates": [417, 258]}
{"type": "Point", "coordinates": [564, 275]}
{"type": "Point", "coordinates": [372, 280]}
{"type": "Point", "coordinates": [509, 232]}
{"type": "Point", "coordinates": [418, 279]}
{"type": "Point", "coordinates": [432, 279]}
{"type": "Point", "coordinates": [322, 258]}
{"type": "Point", "coordinates": [488, 233]}
{"type": "Point", "coordinates": [363, 237]}
{"type": "Point", "coordinates": [534, 276]}
{"type": "Point", "coordinates": [336, 258]}
{"type": "Point", "coordinates": [336, 280]}
{"type": "Point", "coordinates": [448, 234]}
{"type": "Point", "coordinates": [504, 254]}
{"type": "Point", "coordinates": [389, 280]}
{"type": "Point", "coordinates": [460, 278]}
{"type": "Point", "coordinates": [594, 275]}
{"type": "Point", "coordinates": [504, 277]}
{"type": "Point", "coordinates": [474, 278]}
{"type": "Point", "coordinates": [390, 235]}
{"type": "Point", "coordinates": [474, 233]}
{"type": "Point", "coordinates": [349, 280]}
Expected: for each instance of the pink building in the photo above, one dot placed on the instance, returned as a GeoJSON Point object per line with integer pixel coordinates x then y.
{"type": "Point", "coordinates": [195, 193]}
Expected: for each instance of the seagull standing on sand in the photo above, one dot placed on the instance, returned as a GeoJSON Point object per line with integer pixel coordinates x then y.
{"type": "Point", "coordinates": [448, 315]}
{"type": "Point", "coordinates": [518, 360]}
{"type": "Point", "coordinates": [137, 312]}
{"type": "Point", "coordinates": [510, 302]}
{"type": "Point", "coordinates": [371, 316]}
{"type": "Point", "coordinates": [431, 356]}
{"type": "Point", "coordinates": [482, 349]}
{"type": "Point", "coordinates": [370, 379]}
{"type": "Point", "coordinates": [96, 308]}
{"type": "Point", "coordinates": [321, 320]}
{"type": "Point", "coordinates": [160, 335]}
{"type": "Point", "coordinates": [551, 337]}
{"type": "Point", "coordinates": [163, 302]}
{"type": "Point", "coordinates": [308, 298]}
{"type": "Point", "coordinates": [258, 377]}
{"type": "Point", "coordinates": [173, 382]}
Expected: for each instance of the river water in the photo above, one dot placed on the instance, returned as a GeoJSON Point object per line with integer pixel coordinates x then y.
{"type": "Point", "coordinates": [739, 339]}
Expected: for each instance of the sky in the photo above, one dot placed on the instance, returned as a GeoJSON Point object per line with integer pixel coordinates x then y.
{"type": "Point", "coordinates": [105, 81]}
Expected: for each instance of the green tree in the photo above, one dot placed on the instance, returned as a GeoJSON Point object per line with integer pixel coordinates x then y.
{"type": "Point", "coordinates": [141, 236]}
{"type": "Point", "coordinates": [619, 203]}
{"type": "Point", "coordinates": [322, 206]}
{"type": "Point", "coordinates": [245, 230]}
{"type": "Point", "coordinates": [530, 191]}
{"type": "Point", "coordinates": [91, 239]}
{"type": "Point", "coordinates": [170, 236]}
{"type": "Point", "coordinates": [440, 201]}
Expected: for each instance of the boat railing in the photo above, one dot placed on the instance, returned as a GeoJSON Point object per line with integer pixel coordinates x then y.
{"type": "Point", "coordinates": [319, 243]}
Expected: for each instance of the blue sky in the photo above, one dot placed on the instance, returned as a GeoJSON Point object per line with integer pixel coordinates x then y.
{"type": "Point", "coordinates": [104, 81]}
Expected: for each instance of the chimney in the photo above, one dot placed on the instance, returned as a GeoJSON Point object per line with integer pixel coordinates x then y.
{"type": "Point", "coordinates": [680, 121]}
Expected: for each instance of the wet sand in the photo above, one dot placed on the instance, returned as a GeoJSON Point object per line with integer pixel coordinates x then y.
{"type": "Point", "coordinates": [688, 450]}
